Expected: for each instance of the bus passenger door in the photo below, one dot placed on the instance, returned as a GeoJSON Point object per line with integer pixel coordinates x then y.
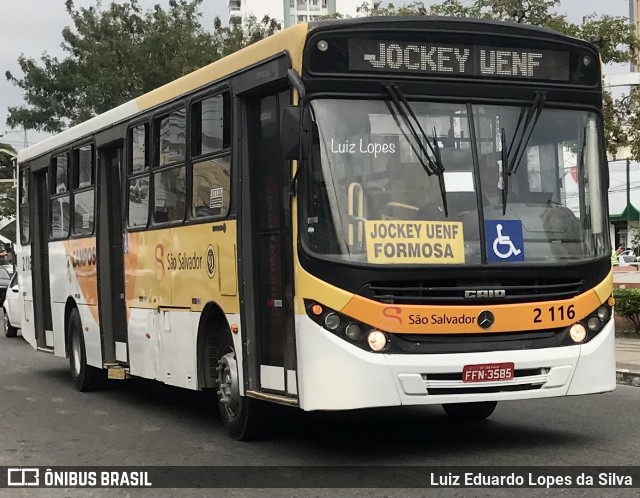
{"type": "Point", "coordinates": [40, 261]}
{"type": "Point", "coordinates": [110, 257]}
{"type": "Point", "coordinates": [266, 249]}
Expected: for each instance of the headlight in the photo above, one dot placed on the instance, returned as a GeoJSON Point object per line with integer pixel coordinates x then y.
{"type": "Point", "coordinates": [353, 331]}
{"type": "Point", "coordinates": [594, 324]}
{"type": "Point", "coordinates": [577, 332]}
{"type": "Point", "coordinates": [332, 321]}
{"type": "Point", "coordinates": [603, 313]}
{"type": "Point", "coordinates": [377, 340]}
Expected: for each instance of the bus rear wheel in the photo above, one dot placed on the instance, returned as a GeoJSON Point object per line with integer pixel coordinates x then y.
{"type": "Point", "coordinates": [85, 377]}
{"type": "Point", "coordinates": [470, 411]}
{"type": "Point", "coordinates": [240, 414]}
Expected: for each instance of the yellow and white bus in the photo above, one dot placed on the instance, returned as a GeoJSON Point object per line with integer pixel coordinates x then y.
{"type": "Point", "coordinates": [348, 214]}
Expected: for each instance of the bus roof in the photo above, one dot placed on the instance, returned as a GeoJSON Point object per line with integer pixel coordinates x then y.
{"type": "Point", "coordinates": [363, 21]}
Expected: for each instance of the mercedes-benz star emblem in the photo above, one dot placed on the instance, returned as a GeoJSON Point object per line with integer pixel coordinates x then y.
{"type": "Point", "coordinates": [486, 319]}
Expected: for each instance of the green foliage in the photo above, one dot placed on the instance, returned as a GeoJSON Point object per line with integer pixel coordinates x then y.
{"type": "Point", "coordinates": [7, 200]}
{"type": "Point", "coordinates": [113, 55]}
{"type": "Point", "coordinates": [628, 305]}
{"type": "Point", "coordinates": [411, 9]}
{"type": "Point", "coordinates": [117, 53]}
{"type": "Point", "coordinates": [627, 112]}
{"type": "Point", "coordinates": [6, 161]}
{"type": "Point", "coordinates": [239, 34]}
{"type": "Point", "coordinates": [617, 114]}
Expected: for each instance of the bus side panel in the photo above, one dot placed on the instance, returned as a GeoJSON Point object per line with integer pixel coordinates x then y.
{"type": "Point", "coordinates": [28, 331]}
{"type": "Point", "coordinates": [74, 277]}
{"type": "Point", "coordinates": [144, 345]}
{"type": "Point", "coordinates": [57, 318]}
{"type": "Point", "coordinates": [92, 337]}
{"type": "Point", "coordinates": [60, 274]}
{"type": "Point", "coordinates": [170, 276]}
{"type": "Point", "coordinates": [178, 358]}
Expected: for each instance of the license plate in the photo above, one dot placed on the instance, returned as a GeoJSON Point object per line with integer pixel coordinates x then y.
{"type": "Point", "coordinates": [487, 372]}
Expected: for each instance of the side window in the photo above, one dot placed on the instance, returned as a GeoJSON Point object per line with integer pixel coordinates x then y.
{"type": "Point", "coordinates": [60, 198]}
{"type": "Point", "coordinates": [169, 176]}
{"type": "Point", "coordinates": [24, 206]}
{"type": "Point", "coordinates": [211, 153]}
{"type": "Point", "coordinates": [61, 174]}
{"type": "Point", "coordinates": [83, 190]}
{"type": "Point", "coordinates": [138, 213]}
{"type": "Point", "coordinates": [172, 138]}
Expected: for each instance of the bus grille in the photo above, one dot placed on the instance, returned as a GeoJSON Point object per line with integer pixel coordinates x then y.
{"type": "Point", "coordinates": [453, 291]}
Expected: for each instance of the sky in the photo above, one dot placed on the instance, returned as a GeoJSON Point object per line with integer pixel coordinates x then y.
{"type": "Point", "coordinates": [31, 27]}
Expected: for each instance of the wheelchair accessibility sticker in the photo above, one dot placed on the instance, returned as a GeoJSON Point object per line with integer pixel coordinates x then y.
{"type": "Point", "coordinates": [504, 240]}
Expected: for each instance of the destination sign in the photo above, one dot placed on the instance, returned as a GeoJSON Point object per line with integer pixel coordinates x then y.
{"type": "Point", "coordinates": [465, 60]}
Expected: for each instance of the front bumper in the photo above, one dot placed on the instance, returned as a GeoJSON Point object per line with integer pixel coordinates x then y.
{"type": "Point", "coordinates": [335, 375]}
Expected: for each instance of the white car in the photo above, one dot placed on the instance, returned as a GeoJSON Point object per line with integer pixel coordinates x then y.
{"type": "Point", "coordinates": [627, 258]}
{"type": "Point", "coordinates": [12, 308]}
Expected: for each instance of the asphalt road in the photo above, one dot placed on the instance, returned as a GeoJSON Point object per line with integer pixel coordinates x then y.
{"type": "Point", "coordinates": [44, 421]}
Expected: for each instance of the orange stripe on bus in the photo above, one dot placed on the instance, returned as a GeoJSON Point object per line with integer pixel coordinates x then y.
{"type": "Point", "coordinates": [425, 319]}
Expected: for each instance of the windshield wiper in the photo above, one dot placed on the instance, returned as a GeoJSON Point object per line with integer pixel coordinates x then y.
{"type": "Point", "coordinates": [512, 156]}
{"type": "Point", "coordinates": [431, 166]}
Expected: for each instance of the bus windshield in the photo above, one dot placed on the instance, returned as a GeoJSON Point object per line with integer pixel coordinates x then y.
{"type": "Point", "coordinates": [370, 199]}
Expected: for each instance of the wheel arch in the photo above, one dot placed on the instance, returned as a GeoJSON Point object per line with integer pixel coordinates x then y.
{"type": "Point", "coordinates": [69, 306]}
{"type": "Point", "coordinates": [211, 329]}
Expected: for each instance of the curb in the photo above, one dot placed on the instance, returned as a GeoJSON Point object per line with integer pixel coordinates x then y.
{"type": "Point", "coordinates": [628, 377]}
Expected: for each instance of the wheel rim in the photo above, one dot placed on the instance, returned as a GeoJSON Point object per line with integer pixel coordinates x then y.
{"type": "Point", "coordinates": [228, 389]}
{"type": "Point", "coordinates": [75, 346]}
{"type": "Point", "coordinates": [6, 321]}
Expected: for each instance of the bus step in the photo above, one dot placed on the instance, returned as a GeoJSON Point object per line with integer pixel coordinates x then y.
{"type": "Point", "coordinates": [275, 398]}
{"type": "Point", "coordinates": [45, 349]}
{"type": "Point", "coordinates": [117, 372]}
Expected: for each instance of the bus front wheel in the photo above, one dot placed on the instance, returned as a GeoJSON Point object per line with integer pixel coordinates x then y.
{"type": "Point", "coordinates": [240, 414]}
{"type": "Point", "coordinates": [84, 376]}
{"type": "Point", "coordinates": [470, 411]}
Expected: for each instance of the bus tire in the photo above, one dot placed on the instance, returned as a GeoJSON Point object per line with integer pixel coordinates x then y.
{"type": "Point", "coordinates": [85, 377]}
{"type": "Point", "coordinates": [240, 414]}
{"type": "Point", "coordinates": [470, 411]}
{"type": "Point", "coordinates": [9, 330]}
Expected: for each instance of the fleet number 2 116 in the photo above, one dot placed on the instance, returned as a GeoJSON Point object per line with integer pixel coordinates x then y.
{"type": "Point", "coordinates": [555, 313]}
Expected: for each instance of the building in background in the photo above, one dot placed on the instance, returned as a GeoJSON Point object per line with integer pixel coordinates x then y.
{"type": "Point", "coordinates": [624, 202]}
{"type": "Point", "coordinates": [291, 12]}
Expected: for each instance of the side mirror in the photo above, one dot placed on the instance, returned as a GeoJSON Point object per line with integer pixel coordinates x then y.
{"type": "Point", "coordinates": [290, 134]}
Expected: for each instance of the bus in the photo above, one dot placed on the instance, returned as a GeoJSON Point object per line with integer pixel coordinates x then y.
{"type": "Point", "coordinates": [349, 214]}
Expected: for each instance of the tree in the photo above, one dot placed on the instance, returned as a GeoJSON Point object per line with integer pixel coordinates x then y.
{"type": "Point", "coordinates": [7, 188]}
{"type": "Point", "coordinates": [118, 53]}
{"type": "Point", "coordinates": [614, 37]}
{"type": "Point", "coordinates": [238, 34]}
{"type": "Point", "coordinates": [113, 55]}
